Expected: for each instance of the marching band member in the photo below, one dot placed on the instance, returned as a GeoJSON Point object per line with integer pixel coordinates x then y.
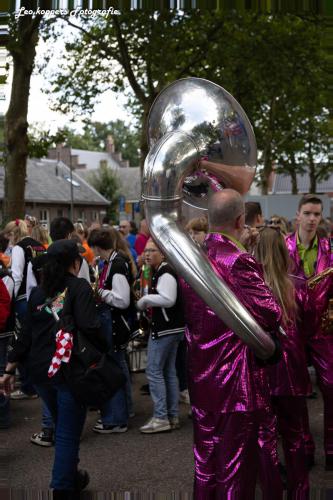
{"type": "Point", "coordinates": [228, 387]}
{"type": "Point", "coordinates": [311, 255]}
{"type": "Point", "coordinates": [114, 300]}
{"type": "Point", "coordinates": [167, 329]}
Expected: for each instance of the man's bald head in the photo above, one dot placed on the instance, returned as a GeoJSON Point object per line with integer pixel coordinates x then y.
{"type": "Point", "coordinates": [224, 210]}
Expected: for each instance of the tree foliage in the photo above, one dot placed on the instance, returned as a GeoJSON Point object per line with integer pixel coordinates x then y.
{"type": "Point", "coordinates": [273, 65]}
{"type": "Point", "coordinates": [107, 184]}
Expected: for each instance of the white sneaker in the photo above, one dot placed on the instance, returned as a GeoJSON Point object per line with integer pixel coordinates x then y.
{"type": "Point", "coordinates": [184, 397]}
{"type": "Point", "coordinates": [174, 422]}
{"type": "Point", "coordinates": [156, 425]}
{"type": "Point", "coordinates": [18, 394]}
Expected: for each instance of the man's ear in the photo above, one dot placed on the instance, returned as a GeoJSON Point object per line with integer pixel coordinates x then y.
{"type": "Point", "coordinates": [238, 223]}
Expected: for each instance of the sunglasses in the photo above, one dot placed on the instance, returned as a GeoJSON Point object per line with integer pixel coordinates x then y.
{"type": "Point", "coordinates": [275, 221]}
{"type": "Point", "coordinates": [31, 219]}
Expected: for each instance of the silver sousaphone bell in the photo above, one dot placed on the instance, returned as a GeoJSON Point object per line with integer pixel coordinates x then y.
{"type": "Point", "coordinates": [200, 141]}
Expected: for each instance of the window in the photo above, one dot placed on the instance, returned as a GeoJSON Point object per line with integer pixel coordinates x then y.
{"type": "Point", "coordinates": [44, 217]}
{"type": "Point", "coordinates": [81, 216]}
{"type": "Point", "coordinates": [60, 212]}
{"type": "Point", "coordinates": [74, 182]}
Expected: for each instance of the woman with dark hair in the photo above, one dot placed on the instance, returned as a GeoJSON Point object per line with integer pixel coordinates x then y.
{"type": "Point", "coordinates": [123, 249]}
{"type": "Point", "coordinates": [113, 310]}
{"type": "Point", "coordinates": [61, 291]}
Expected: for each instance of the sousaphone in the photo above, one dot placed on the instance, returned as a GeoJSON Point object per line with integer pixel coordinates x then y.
{"type": "Point", "coordinates": [200, 141]}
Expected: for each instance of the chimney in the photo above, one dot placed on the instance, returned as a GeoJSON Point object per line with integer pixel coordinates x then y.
{"type": "Point", "coordinates": [57, 164]}
{"type": "Point", "coordinates": [109, 144]}
{"type": "Point", "coordinates": [61, 152]}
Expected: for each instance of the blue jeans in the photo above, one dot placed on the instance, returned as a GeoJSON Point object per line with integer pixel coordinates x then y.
{"type": "Point", "coordinates": [115, 411]}
{"type": "Point", "coordinates": [69, 417]}
{"type": "Point", "coordinates": [47, 419]}
{"type": "Point", "coordinates": [4, 400]}
{"type": "Point", "coordinates": [161, 375]}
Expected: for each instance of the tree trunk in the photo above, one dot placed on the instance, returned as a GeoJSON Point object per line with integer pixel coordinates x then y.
{"type": "Point", "coordinates": [293, 175]}
{"type": "Point", "coordinates": [266, 170]}
{"type": "Point", "coordinates": [23, 50]}
{"type": "Point", "coordinates": [144, 148]}
{"type": "Point", "coordinates": [267, 154]}
{"type": "Point", "coordinates": [312, 170]}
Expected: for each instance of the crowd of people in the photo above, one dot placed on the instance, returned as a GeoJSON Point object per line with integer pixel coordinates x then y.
{"type": "Point", "coordinates": [110, 282]}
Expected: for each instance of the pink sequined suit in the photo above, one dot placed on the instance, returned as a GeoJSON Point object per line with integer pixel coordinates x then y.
{"type": "Point", "coordinates": [228, 387]}
{"type": "Point", "coordinates": [318, 345]}
{"type": "Point", "coordinates": [289, 384]}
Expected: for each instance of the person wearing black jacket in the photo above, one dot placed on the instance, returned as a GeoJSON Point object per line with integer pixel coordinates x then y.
{"type": "Point", "coordinates": [114, 295]}
{"type": "Point", "coordinates": [167, 330]}
{"type": "Point", "coordinates": [37, 347]}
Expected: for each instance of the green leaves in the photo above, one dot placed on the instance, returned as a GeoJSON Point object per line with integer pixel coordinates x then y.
{"type": "Point", "coordinates": [274, 65]}
{"type": "Point", "coordinates": [105, 182]}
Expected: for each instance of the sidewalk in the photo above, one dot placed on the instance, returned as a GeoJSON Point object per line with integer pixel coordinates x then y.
{"type": "Point", "coordinates": [148, 466]}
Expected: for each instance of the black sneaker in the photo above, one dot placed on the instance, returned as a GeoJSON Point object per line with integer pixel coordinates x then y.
{"type": "Point", "coordinates": [82, 479]}
{"type": "Point", "coordinates": [144, 389]}
{"type": "Point", "coordinates": [109, 429]}
{"type": "Point", "coordinates": [43, 438]}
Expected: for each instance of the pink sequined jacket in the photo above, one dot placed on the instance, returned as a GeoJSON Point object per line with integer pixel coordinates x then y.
{"type": "Point", "coordinates": [314, 301]}
{"type": "Point", "coordinates": [290, 376]}
{"type": "Point", "coordinates": [224, 374]}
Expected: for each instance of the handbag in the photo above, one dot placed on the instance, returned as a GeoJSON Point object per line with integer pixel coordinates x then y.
{"type": "Point", "coordinates": [93, 377]}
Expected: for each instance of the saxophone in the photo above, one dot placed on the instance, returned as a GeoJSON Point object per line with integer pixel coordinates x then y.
{"type": "Point", "coordinates": [142, 287]}
{"type": "Point", "coordinates": [313, 282]}
{"type": "Point", "coordinates": [327, 318]}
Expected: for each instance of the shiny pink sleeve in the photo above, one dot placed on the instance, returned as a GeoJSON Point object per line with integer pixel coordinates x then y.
{"type": "Point", "coordinates": [248, 282]}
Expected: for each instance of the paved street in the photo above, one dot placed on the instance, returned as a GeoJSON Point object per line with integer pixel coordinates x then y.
{"type": "Point", "coordinates": [129, 462]}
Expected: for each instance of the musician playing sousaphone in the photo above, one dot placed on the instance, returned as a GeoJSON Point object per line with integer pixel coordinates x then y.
{"type": "Point", "coordinates": [202, 142]}
{"type": "Point", "coordinates": [312, 255]}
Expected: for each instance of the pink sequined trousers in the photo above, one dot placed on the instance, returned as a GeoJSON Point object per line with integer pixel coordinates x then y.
{"type": "Point", "coordinates": [321, 356]}
{"type": "Point", "coordinates": [226, 454]}
{"type": "Point", "coordinates": [289, 413]}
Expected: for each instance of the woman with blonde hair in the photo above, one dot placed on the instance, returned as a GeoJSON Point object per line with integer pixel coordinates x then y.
{"type": "Point", "coordinates": [41, 234]}
{"type": "Point", "coordinates": [82, 232]}
{"type": "Point", "coordinates": [15, 230]}
{"type": "Point", "coordinates": [280, 222]}
{"type": "Point", "coordinates": [197, 229]}
{"type": "Point", "coordinates": [289, 378]}
{"type": "Point", "coordinates": [25, 248]}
